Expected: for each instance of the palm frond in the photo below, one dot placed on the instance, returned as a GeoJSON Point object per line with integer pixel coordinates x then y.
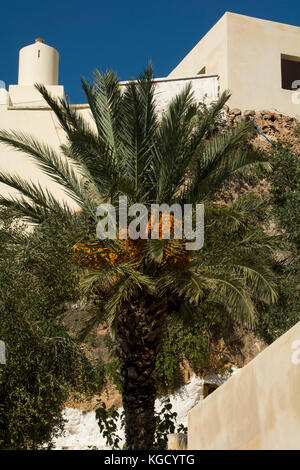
{"type": "Point", "coordinates": [36, 207]}
{"type": "Point", "coordinates": [224, 157]}
{"type": "Point", "coordinates": [139, 130]}
{"type": "Point", "coordinates": [174, 131]}
{"type": "Point", "coordinates": [60, 170]}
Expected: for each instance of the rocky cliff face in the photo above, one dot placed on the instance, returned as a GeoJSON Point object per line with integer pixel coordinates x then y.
{"type": "Point", "coordinates": [276, 126]}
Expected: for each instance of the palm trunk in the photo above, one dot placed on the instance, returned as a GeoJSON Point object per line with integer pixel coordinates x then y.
{"type": "Point", "coordinates": [138, 334]}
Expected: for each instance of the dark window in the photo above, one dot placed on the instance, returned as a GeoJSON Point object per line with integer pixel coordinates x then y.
{"type": "Point", "coordinates": [290, 71]}
{"type": "Point", "coordinates": [209, 388]}
{"type": "Point", "coordinates": [202, 71]}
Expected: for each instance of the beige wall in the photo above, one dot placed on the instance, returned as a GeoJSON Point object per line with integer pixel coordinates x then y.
{"type": "Point", "coordinates": [258, 407]}
{"type": "Point", "coordinates": [254, 63]}
{"type": "Point", "coordinates": [27, 96]}
{"type": "Point", "coordinates": [246, 53]}
{"type": "Point", "coordinates": [210, 52]}
{"type": "Point", "coordinates": [42, 125]}
{"type": "Point", "coordinates": [205, 89]}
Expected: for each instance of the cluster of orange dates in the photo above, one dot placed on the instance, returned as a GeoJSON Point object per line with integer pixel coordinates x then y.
{"type": "Point", "coordinates": [93, 256]}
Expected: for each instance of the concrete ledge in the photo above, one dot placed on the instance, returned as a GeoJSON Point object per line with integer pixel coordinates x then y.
{"type": "Point", "coordinates": [27, 96]}
{"type": "Point", "coordinates": [258, 407]}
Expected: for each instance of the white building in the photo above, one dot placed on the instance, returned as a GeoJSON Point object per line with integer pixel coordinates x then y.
{"type": "Point", "coordinates": [22, 108]}
{"type": "Point", "coordinates": [258, 60]}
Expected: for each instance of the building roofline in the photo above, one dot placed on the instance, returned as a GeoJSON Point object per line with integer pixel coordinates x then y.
{"type": "Point", "coordinates": [174, 79]}
{"type": "Point", "coordinates": [86, 105]}
{"type": "Point", "coordinates": [255, 18]}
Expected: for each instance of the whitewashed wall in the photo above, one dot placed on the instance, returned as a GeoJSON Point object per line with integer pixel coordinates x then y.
{"type": "Point", "coordinates": [205, 89]}
{"type": "Point", "coordinates": [20, 110]}
{"type": "Point", "coordinates": [82, 430]}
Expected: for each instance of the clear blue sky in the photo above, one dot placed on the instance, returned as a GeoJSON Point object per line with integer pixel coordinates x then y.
{"type": "Point", "coordinates": [122, 35]}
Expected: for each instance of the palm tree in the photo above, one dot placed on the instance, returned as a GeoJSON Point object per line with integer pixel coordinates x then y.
{"type": "Point", "coordinates": [177, 157]}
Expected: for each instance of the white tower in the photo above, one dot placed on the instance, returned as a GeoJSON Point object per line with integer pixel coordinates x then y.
{"type": "Point", "coordinates": [38, 63]}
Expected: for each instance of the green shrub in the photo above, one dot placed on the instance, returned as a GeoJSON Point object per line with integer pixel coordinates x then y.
{"type": "Point", "coordinates": [165, 424]}
{"type": "Point", "coordinates": [284, 210]}
{"type": "Point", "coordinates": [44, 364]}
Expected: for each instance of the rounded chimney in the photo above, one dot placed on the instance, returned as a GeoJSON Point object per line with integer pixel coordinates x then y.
{"type": "Point", "coordinates": [38, 63]}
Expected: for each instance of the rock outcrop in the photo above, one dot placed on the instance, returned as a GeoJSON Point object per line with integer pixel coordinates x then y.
{"type": "Point", "coordinates": [276, 126]}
